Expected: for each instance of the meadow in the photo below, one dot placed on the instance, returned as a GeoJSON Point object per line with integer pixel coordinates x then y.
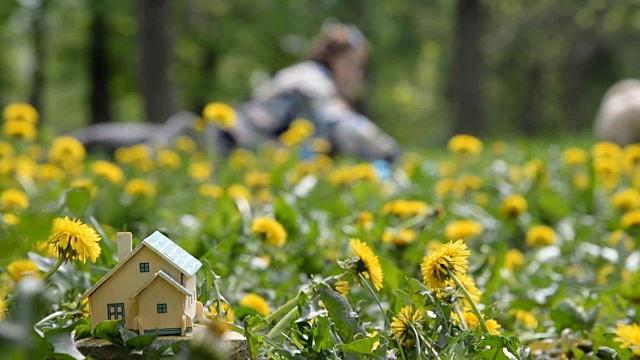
{"type": "Point", "coordinates": [500, 250]}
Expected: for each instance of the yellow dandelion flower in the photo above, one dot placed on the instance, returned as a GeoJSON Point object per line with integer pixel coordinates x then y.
{"type": "Point", "coordinates": [210, 190]}
{"type": "Point", "coordinates": [631, 157]}
{"type": "Point", "coordinates": [602, 275]}
{"type": "Point", "coordinates": [49, 172]}
{"type": "Point", "coordinates": [299, 131]}
{"type": "Point", "coordinates": [526, 318]}
{"type": "Point", "coordinates": [25, 167]}
{"type": "Point", "coordinates": [513, 259]}
{"type": "Point", "coordinates": [74, 240]}
{"type": "Point", "coordinates": [13, 200]}
{"type": "Point", "coordinates": [462, 229]}
{"type": "Point", "coordinates": [469, 182]}
{"type": "Point", "coordinates": [237, 191]}
{"type": "Point", "coordinates": [185, 144]}
{"type": "Point", "coordinates": [22, 268]}
{"type": "Point", "coordinates": [270, 230]}
{"type": "Point", "coordinates": [65, 150]}
{"type": "Point", "coordinates": [365, 219]}
{"type": "Point", "coordinates": [3, 307]}
{"type": "Point", "coordinates": [513, 206]}
{"type": "Point", "coordinates": [445, 187]}
{"type": "Point", "coordinates": [405, 208]}
{"type": "Point", "coordinates": [9, 219]}
{"type": "Point", "coordinates": [493, 327]}
{"type": "Point", "coordinates": [470, 285]}
{"type": "Point", "coordinates": [20, 112]}
{"type": "Point", "coordinates": [450, 257]}
{"type": "Point", "coordinates": [264, 196]}
{"type": "Point", "coordinates": [574, 156]}
{"type": "Point", "coordinates": [257, 179]}
{"type": "Point", "coordinates": [140, 188]}
{"type": "Point", "coordinates": [368, 264]}
{"type": "Point", "coordinates": [200, 171]}
{"type": "Point", "coordinates": [630, 219]}
{"type": "Point", "coordinates": [342, 286]}
{"type": "Point", "coordinates": [406, 324]}
{"type": "Point", "coordinates": [400, 238]}
{"type": "Point", "coordinates": [616, 236]}
{"type": "Point", "coordinates": [626, 199]}
{"type": "Point", "coordinates": [465, 144]}
{"type": "Point", "coordinates": [19, 129]}
{"type": "Point", "coordinates": [212, 311]}
{"type": "Point", "coordinates": [86, 184]}
{"type": "Point", "coordinates": [168, 159]}
{"type": "Point", "coordinates": [220, 114]}
{"type": "Point", "coordinates": [108, 171]}
{"type": "Point", "coordinates": [320, 145]}
{"type": "Point", "coordinates": [540, 235]}
{"type": "Point", "coordinates": [629, 337]}
{"type": "Point", "coordinates": [240, 159]}
{"type": "Point", "coordinates": [257, 303]}
{"type": "Point", "coordinates": [6, 150]}
{"type": "Point", "coordinates": [606, 150]}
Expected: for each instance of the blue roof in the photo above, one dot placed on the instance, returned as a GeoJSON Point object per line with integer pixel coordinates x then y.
{"type": "Point", "coordinates": [180, 258]}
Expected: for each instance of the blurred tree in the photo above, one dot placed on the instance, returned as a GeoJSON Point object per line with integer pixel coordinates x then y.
{"type": "Point", "coordinates": [39, 33]}
{"type": "Point", "coordinates": [467, 78]}
{"type": "Point", "coordinates": [99, 67]}
{"type": "Point", "coordinates": [155, 54]}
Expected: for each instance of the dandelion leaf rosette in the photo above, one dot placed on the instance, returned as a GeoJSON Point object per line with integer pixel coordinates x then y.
{"type": "Point", "coordinates": [346, 320]}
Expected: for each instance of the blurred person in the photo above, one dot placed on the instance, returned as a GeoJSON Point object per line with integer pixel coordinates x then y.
{"type": "Point", "coordinates": [321, 89]}
{"type": "Point", "coordinates": [618, 119]}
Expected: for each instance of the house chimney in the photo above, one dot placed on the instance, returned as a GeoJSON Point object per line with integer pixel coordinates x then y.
{"type": "Point", "coordinates": [124, 240]}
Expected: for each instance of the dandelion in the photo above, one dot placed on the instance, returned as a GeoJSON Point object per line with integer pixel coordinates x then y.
{"type": "Point", "coordinates": [320, 145]}
{"type": "Point", "coordinates": [9, 219]}
{"type": "Point", "coordinates": [210, 191]}
{"type": "Point", "coordinates": [185, 144]}
{"type": "Point", "coordinates": [574, 156]}
{"type": "Point", "coordinates": [626, 199]}
{"type": "Point", "coordinates": [20, 112]}
{"type": "Point", "coordinates": [74, 240]}
{"type": "Point", "coordinates": [264, 196]}
{"type": "Point", "coordinates": [237, 191]}
{"type": "Point", "coordinates": [526, 318]}
{"type": "Point", "coordinates": [443, 260]}
{"type": "Point", "coordinates": [257, 303]}
{"type": "Point", "coordinates": [513, 206]}
{"type": "Point", "coordinates": [470, 285]}
{"type": "Point", "coordinates": [368, 264]}
{"type": "Point", "coordinates": [66, 151]}
{"type": "Point", "coordinates": [342, 286]}
{"type": "Point", "coordinates": [462, 229]}
{"type": "Point", "coordinates": [581, 181]}
{"type": "Point", "coordinates": [25, 167]}
{"type": "Point", "coordinates": [108, 171]}
{"type": "Point", "coordinates": [629, 337]}
{"type": "Point", "coordinates": [465, 144]}
{"type": "Point", "coordinates": [630, 219]}
{"type": "Point", "coordinates": [445, 187]}
{"type": "Point", "coordinates": [18, 269]}
{"type": "Point", "coordinates": [616, 236]}
{"type": "Point", "coordinates": [513, 259]}
{"type": "Point", "coordinates": [540, 235]}
{"type": "Point", "coordinates": [240, 159]}
{"type": "Point", "coordinates": [3, 306]}
{"type": "Point", "coordinates": [365, 219]}
{"type": "Point", "coordinates": [168, 159]}
{"type": "Point", "coordinates": [86, 184]}
{"type": "Point", "coordinates": [299, 130]}
{"type": "Point", "coordinates": [631, 157]}
{"type": "Point", "coordinates": [606, 149]}
{"type": "Point", "coordinates": [405, 325]}
{"type": "Point", "coordinates": [19, 129]}
{"type": "Point", "coordinates": [13, 200]}
{"type": "Point", "coordinates": [212, 311]}
{"type": "Point", "coordinates": [270, 230]}
{"type": "Point", "coordinates": [257, 179]}
{"type": "Point", "coordinates": [49, 172]}
{"type": "Point", "coordinates": [219, 114]}
{"type": "Point", "coordinates": [493, 327]}
{"type": "Point", "coordinates": [200, 171]}
{"type": "Point", "coordinates": [140, 188]}
{"type": "Point", "coordinates": [405, 208]}
{"type": "Point", "coordinates": [400, 238]}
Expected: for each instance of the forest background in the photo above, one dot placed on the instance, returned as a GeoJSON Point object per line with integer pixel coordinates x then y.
{"type": "Point", "coordinates": [495, 68]}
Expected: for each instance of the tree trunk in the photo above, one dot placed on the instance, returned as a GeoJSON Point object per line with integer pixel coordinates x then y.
{"type": "Point", "coordinates": [39, 53]}
{"type": "Point", "coordinates": [467, 78]}
{"type": "Point", "coordinates": [100, 70]}
{"type": "Point", "coordinates": [155, 59]}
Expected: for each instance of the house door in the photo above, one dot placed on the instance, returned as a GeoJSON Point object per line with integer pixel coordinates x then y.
{"type": "Point", "coordinates": [115, 311]}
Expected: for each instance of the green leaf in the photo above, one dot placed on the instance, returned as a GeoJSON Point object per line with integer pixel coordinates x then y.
{"type": "Point", "coordinates": [569, 315]}
{"type": "Point", "coordinates": [109, 330]}
{"type": "Point", "coordinates": [62, 341]}
{"type": "Point", "coordinates": [361, 346]}
{"type": "Point", "coordinates": [254, 340]}
{"type": "Point", "coordinates": [345, 319]}
{"type": "Point", "coordinates": [141, 341]}
{"type": "Point", "coordinates": [77, 201]}
{"type": "Point", "coordinates": [322, 334]}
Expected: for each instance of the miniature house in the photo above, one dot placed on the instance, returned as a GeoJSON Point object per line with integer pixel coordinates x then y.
{"type": "Point", "coordinates": [153, 288]}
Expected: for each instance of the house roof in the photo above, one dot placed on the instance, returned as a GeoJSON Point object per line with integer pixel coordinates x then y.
{"type": "Point", "coordinates": [160, 275]}
{"type": "Point", "coordinates": [162, 246]}
{"type": "Point", "coordinates": [174, 253]}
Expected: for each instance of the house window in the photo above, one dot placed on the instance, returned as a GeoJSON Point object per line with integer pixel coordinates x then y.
{"type": "Point", "coordinates": [144, 267]}
{"type": "Point", "coordinates": [115, 311]}
{"type": "Point", "coordinates": [162, 308]}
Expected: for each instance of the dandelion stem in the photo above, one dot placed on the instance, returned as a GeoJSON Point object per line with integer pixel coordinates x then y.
{"type": "Point", "coordinates": [284, 309]}
{"type": "Point", "coordinates": [277, 329]}
{"type": "Point", "coordinates": [474, 307]}
{"type": "Point", "coordinates": [384, 314]}
{"type": "Point", "coordinates": [456, 308]}
{"type": "Point", "coordinates": [428, 345]}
